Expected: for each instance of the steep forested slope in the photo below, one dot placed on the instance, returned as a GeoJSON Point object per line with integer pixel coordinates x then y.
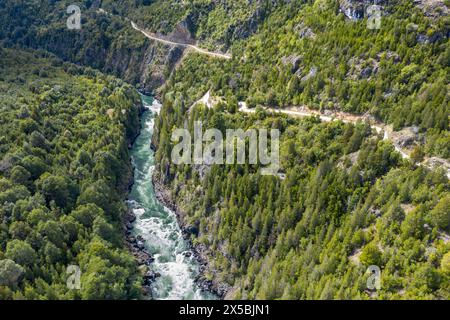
{"type": "Point", "coordinates": [348, 200]}
{"type": "Point", "coordinates": [286, 53]}
{"type": "Point", "coordinates": [64, 169]}
{"type": "Point", "coordinates": [313, 55]}
{"type": "Point", "coordinates": [105, 41]}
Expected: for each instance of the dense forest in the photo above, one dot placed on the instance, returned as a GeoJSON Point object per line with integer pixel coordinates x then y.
{"type": "Point", "coordinates": [348, 200]}
{"type": "Point", "coordinates": [345, 199]}
{"type": "Point", "coordinates": [301, 53]}
{"type": "Point", "coordinates": [64, 171]}
{"type": "Point", "coordinates": [312, 55]}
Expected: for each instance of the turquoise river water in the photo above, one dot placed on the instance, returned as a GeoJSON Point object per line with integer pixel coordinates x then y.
{"type": "Point", "coordinates": [158, 225]}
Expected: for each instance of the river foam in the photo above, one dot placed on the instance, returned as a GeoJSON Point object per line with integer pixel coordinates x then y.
{"type": "Point", "coordinates": [158, 225]}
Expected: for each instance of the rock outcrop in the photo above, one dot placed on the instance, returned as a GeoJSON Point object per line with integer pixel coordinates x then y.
{"type": "Point", "coordinates": [356, 9]}
{"type": "Point", "coordinates": [433, 8]}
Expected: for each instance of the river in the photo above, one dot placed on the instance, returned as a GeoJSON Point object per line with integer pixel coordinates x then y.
{"type": "Point", "coordinates": [158, 225]}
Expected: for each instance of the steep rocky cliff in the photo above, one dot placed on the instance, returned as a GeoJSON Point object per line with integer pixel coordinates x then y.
{"type": "Point", "coordinates": [105, 42]}
{"type": "Point", "coordinates": [356, 9]}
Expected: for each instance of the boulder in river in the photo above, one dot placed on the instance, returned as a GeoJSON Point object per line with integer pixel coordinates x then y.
{"type": "Point", "coordinates": [140, 245]}
{"type": "Point", "coordinates": [192, 230]}
{"type": "Point", "coordinates": [132, 239]}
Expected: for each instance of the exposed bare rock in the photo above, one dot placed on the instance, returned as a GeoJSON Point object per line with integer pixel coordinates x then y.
{"type": "Point", "coordinates": [376, 212]}
{"type": "Point", "coordinates": [207, 100]}
{"type": "Point", "coordinates": [202, 170]}
{"type": "Point", "coordinates": [353, 157]}
{"type": "Point", "coordinates": [6, 164]}
{"type": "Point", "coordinates": [361, 68]}
{"type": "Point", "coordinates": [347, 161]}
{"type": "Point", "coordinates": [200, 251]}
{"type": "Point", "coordinates": [389, 55]}
{"type": "Point", "coordinates": [435, 162]}
{"type": "Point", "coordinates": [445, 237]}
{"type": "Point", "coordinates": [293, 60]}
{"type": "Point", "coordinates": [304, 31]}
{"type": "Point", "coordinates": [407, 208]}
{"type": "Point", "coordinates": [433, 8]}
{"type": "Point", "coordinates": [312, 73]}
{"type": "Point", "coordinates": [354, 258]}
{"type": "Point", "coordinates": [141, 62]}
{"type": "Point", "coordinates": [426, 39]}
{"type": "Point", "coordinates": [246, 28]}
{"type": "Point", "coordinates": [356, 9]}
{"type": "Point", "coordinates": [405, 137]}
{"type": "Point", "coordinates": [182, 33]}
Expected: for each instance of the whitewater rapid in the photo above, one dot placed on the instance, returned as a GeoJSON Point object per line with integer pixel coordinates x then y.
{"type": "Point", "coordinates": [158, 225]}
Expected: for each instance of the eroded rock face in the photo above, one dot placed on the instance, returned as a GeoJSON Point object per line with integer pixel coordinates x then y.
{"type": "Point", "coordinates": [432, 8]}
{"type": "Point", "coordinates": [304, 31]}
{"type": "Point", "coordinates": [356, 9]}
{"type": "Point", "coordinates": [312, 73]}
{"type": "Point", "coordinates": [292, 60]}
{"type": "Point", "coordinates": [146, 67]}
{"type": "Point", "coordinates": [406, 137]}
{"type": "Point", "coordinates": [123, 53]}
{"type": "Point", "coordinates": [246, 29]}
{"type": "Point", "coordinates": [435, 162]}
{"type": "Point", "coordinates": [153, 67]}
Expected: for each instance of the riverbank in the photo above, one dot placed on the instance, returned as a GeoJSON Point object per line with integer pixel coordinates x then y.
{"type": "Point", "coordinates": [200, 251]}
